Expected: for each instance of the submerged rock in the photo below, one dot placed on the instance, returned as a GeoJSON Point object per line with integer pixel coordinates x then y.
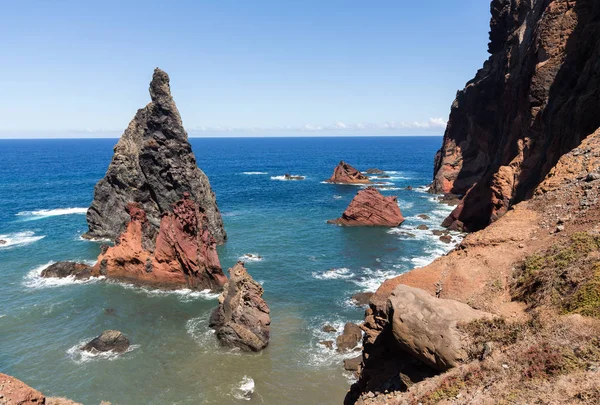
{"type": "Point", "coordinates": [182, 255]}
{"type": "Point", "coordinates": [327, 343]}
{"type": "Point", "coordinates": [153, 165]}
{"type": "Point", "coordinates": [329, 329]}
{"type": "Point", "coordinates": [346, 174]}
{"type": "Point", "coordinates": [423, 216]}
{"type": "Point", "coordinates": [66, 269]}
{"type": "Point", "coordinates": [349, 338]}
{"type": "Point", "coordinates": [242, 318]}
{"type": "Point", "coordinates": [109, 340]}
{"type": "Point", "coordinates": [370, 208]}
{"type": "Point", "coordinates": [422, 227]}
{"type": "Point", "coordinates": [291, 177]}
{"type": "Point", "coordinates": [2, 242]}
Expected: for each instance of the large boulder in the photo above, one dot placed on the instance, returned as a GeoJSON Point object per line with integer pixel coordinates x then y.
{"type": "Point", "coordinates": [67, 269]}
{"type": "Point", "coordinates": [371, 208]}
{"type": "Point", "coordinates": [349, 337]}
{"type": "Point", "coordinates": [346, 174]}
{"type": "Point", "coordinates": [182, 255]}
{"type": "Point", "coordinates": [153, 165]}
{"type": "Point", "coordinates": [426, 326]}
{"type": "Point", "coordinates": [109, 340]}
{"type": "Point", "coordinates": [242, 318]}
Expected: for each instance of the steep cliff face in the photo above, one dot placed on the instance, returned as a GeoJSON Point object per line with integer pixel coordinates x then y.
{"type": "Point", "coordinates": [153, 164]}
{"type": "Point", "coordinates": [536, 98]}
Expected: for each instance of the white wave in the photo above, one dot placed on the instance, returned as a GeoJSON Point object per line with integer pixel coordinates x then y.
{"type": "Point", "coordinates": [370, 280]}
{"type": "Point", "coordinates": [19, 239]}
{"type": "Point", "coordinates": [39, 214]}
{"type": "Point", "coordinates": [184, 294]}
{"type": "Point", "coordinates": [82, 356]}
{"type": "Point", "coordinates": [245, 389]}
{"type": "Point", "coordinates": [347, 184]}
{"type": "Point", "coordinates": [334, 274]}
{"type": "Point", "coordinates": [254, 173]}
{"type": "Point", "coordinates": [337, 197]}
{"type": "Point", "coordinates": [283, 178]}
{"type": "Point", "coordinates": [2, 316]}
{"type": "Point", "coordinates": [251, 257]}
{"type": "Point", "coordinates": [34, 279]}
{"type": "Point", "coordinates": [320, 355]}
{"type": "Point", "coordinates": [97, 240]}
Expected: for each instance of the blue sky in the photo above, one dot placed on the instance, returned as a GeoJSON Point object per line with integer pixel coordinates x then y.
{"type": "Point", "coordinates": [82, 68]}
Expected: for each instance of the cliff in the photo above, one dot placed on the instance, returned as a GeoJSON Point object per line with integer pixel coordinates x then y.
{"type": "Point", "coordinates": [535, 99]}
{"type": "Point", "coordinates": [153, 165]}
{"type": "Point", "coordinates": [535, 271]}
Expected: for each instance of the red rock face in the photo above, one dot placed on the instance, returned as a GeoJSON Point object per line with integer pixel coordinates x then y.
{"type": "Point", "coordinates": [13, 391]}
{"type": "Point", "coordinates": [183, 254]}
{"type": "Point", "coordinates": [535, 99]}
{"type": "Point", "coordinates": [346, 174]}
{"type": "Point", "coordinates": [370, 208]}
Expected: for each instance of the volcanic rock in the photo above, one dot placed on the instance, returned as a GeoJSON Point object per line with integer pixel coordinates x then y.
{"type": "Point", "coordinates": [65, 269]}
{"type": "Point", "coordinates": [423, 216]}
{"type": "Point", "coordinates": [242, 318]}
{"type": "Point", "coordinates": [327, 343]}
{"type": "Point", "coordinates": [346, 174]}
{"type": "Point", "coordinates": [426, 326]}
{"type": "Point", "coordinates": [353, 364]}
{"type": "Point", "coordinates": [370, 208]}
{"type": "Point", "coordinates": [182, 255]}
{"type": "Point", "coordinates": [291, 177]}
{"type": "Point", "coordinates": [422, 227]}
{"type": "Point", "coordinates": [109, 340]}
{"type": "Point", "coordinates": [374, 171]}
{"type": "Point", "coordinates": [329, 329]}
{"type": "Point", "coordinates": [15, 392]}
{"type": "Point", "coordinates": [349, 337]}
{"type": "Point", "coordinates": [362, 298]}
{"type": "Point", "coordinates": [2, 242]}
{"type": "Point", "coordinates": [535, 99]}
{"type": "Point", "coordinates": [153, 165]}
{"type": "Point", "coordinates": [446, 238]}
{"type": "Point", "coordinates": [409, 188]}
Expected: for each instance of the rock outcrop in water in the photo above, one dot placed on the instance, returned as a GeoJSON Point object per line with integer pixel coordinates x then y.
{"type": "Point", "coordinates": [242, 318]}
{"type": "Point", "coordinates": [346, 174]}
{"type": "Point", "coordinates": [181, 254]}
{"type": "Point", "coordinates": [370, 208]}
{"type": "Point", "coordinates": [67, 269]}
{"type": "Point", "coordinates": [535, 99]}
{"type": "Point", "coordinates": [109, 340]}
{"type": "Point", "coordinates": [153, 165]}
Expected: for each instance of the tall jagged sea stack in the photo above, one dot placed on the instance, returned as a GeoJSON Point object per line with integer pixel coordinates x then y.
{"type": "Point", "coordinates": [153, 165]}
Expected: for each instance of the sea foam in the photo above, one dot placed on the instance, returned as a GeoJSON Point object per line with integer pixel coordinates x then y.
{"type": "Point", "coordinates": [39, 214]}
{"type": "Point", "coordinates": [334, 274]}
{"type": "Point", "coordinates": [254, 173]}
{"type": "Point", "coordinates": [283, 178]}
{"type": "Point", "coordinates": [19, 239]}
{"type": "Point", "coordinates": [244, 389]}
{"type": "Point", "coordinates": [34, 279]}
{"type": "Point", "coordinates": [82, 356]}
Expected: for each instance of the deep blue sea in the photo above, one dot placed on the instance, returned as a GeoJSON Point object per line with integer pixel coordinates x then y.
{"type": "Point", "coordinates": [309, 270]}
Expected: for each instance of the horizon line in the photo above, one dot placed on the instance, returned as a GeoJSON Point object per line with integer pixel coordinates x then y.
{"type": "Point", "coordinates": [229, 137]}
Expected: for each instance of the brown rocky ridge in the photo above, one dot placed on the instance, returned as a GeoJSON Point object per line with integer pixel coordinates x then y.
{"type": "Point", "coordinates": [153, 165]}
{"type": "Point", "coordinates": [242, 318]}
{"type": "Point", "coordinates": [535, 99]}
{"type": "Point", "coordinates": [370, 208]}
{"type": "Point", "coordinates": [346, 174]}
{"type": "Point", "coordinates": [16, 392]}
{"type": "Point", "coordinates": [531, 281]}
{"type": "Point", "coordinates": [182, 253]}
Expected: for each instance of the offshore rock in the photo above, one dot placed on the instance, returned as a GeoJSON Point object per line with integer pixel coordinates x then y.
{"type": "Point", "coordinates": [182, 255]}
{"type": "Point", "coordinates": [535, 99]}
{"type": "Point", "coordinates": [242, 318]}
{"type": "Point", "coordinates": [67, 269]}
{"type": "Point", "coordinates": [153, 165]}
{"type": "Point", "coordinates": [109, 340]}
{"type": "Point", "coordinates": [346, 174]}
{"type": "Point", "coordinates": [349, 337]}
{"type": "Point", "coordinates": [370, 208]}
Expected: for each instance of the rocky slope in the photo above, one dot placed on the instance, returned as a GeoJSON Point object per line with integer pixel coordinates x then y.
{"type": "Point", "coordinates": [535, 270]}
{"type": "Point", "coordinates": [346, 174]}
{"type": "Point", "coordinates": [153, 165]}
{"type": "Point", "coordinates": [182, 253]}
{"type": "Point", "coordinates": [535, 99]}
{"type": "Point", "coordinates": [16, 392]}
{"type": "Point", "coordinates": [370, 208]}
{"type": "Point", "coordinates": [242, 318]}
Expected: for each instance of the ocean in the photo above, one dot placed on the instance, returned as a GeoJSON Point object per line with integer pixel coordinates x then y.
{"type": "Point", "coordinates": [308, 268]}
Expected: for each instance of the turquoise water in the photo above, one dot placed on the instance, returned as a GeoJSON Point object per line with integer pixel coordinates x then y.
{"type": "Point", "coordinates": [309, 270]}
